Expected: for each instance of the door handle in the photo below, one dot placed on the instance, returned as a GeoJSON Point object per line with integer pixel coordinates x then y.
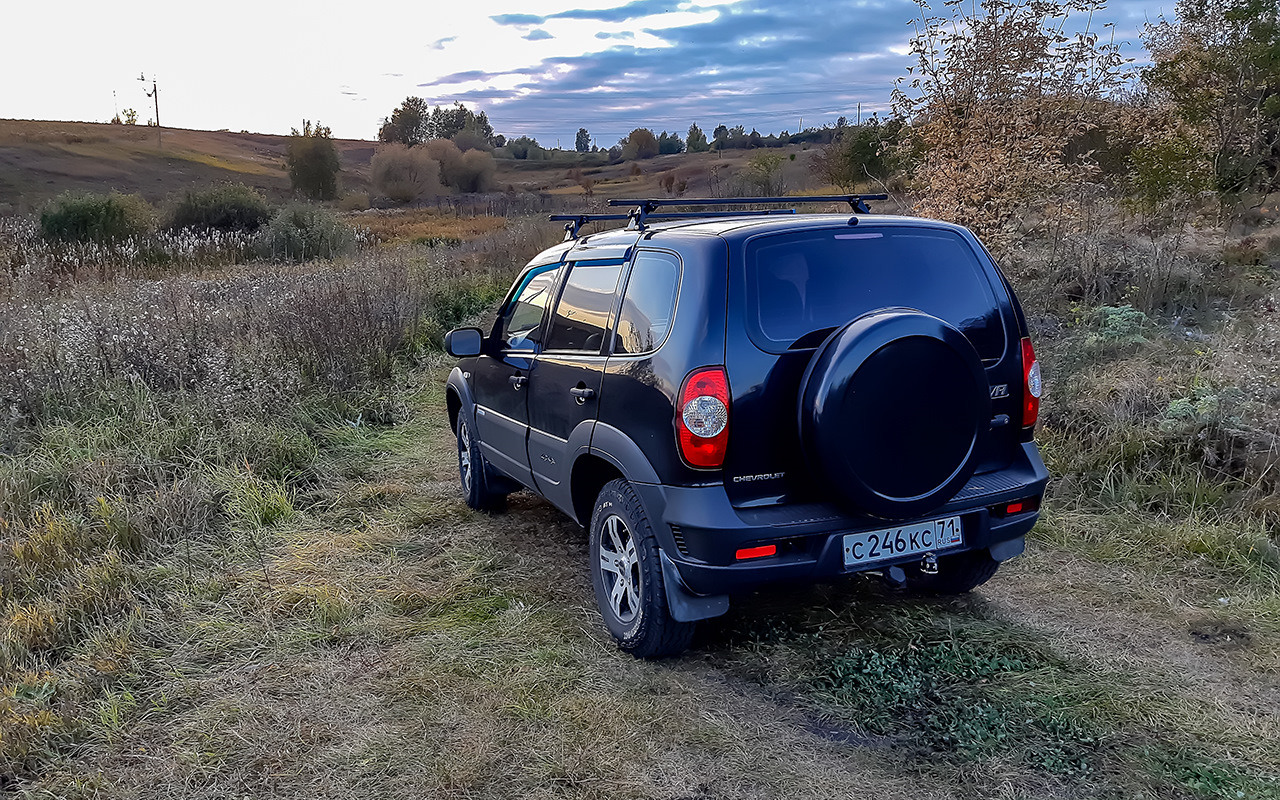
{"type": "Point", "coordinates": [582, 393]}
{"type": "Point", "coordinates": [517, 381]}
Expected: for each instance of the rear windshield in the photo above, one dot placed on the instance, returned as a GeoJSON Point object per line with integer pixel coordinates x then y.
{"type": "Point", "coordinates": [801, 286]}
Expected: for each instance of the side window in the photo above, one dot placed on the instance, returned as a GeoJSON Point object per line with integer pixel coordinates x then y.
{"type": "Point", "coordinates": [648, 303]}
{"type": "Point", "coordinates": [521, 324]}
{"type": "Point", "coordinates": [582, 315]}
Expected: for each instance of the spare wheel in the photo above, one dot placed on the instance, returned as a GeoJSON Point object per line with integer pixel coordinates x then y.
{"type": "Point", "coordinates": [894, 408]}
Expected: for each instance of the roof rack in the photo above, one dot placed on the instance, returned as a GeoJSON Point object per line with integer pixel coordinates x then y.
{"type": "Point", "coordinates": [643, 209]}
{"type": "Point", "coordinates": [574, 222]}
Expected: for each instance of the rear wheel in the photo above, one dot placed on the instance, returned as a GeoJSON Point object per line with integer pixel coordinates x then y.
{"type": "Point", "coordinates": [626, 573]}
{"type": "Point", "coordinates": [957, 574]}
{"type": "Point", "coordinates": [477, 485]}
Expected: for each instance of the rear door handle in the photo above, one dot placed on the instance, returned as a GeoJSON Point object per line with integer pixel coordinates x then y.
{"type": "Point", "coordinates": [582, 393]}
{"type": "Point", "coordinates": [517, 381]}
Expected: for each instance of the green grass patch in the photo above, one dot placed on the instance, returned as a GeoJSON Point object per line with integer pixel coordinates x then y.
{"type": "Point", "coordinates": [949, 686]}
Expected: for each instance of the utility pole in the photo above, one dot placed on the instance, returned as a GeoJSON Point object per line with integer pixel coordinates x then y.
{"type": "Point", "coordinates": [154, 93]}
{"type": "Point", "coordinates": [859, 115]}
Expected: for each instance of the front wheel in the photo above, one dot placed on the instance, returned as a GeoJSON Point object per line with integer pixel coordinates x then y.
{"type": "Point", "coordinates": [626, 572]}
{"type": "Point", "coordinates": [477, 487]}
{"type": "Point", "coordinates": [956, 574]}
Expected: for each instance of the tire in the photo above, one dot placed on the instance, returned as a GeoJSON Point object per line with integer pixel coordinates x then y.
{"type": "Point", "coordinates": [957, 574]}
{"type": "Point", "coordinates": [477, 485]}
{"type": "Point", "coordinates": [626, 573]}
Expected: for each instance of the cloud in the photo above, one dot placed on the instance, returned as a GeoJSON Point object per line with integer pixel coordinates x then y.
{"type": "Point", "coordinates": [636, 9]}
{"type": "Point", "coordinates": [439, 44]}
{"type": "Point", "coordinates": [759, 63]}
{"type": "Point", "coordinates": [538, 34]}
{"type": "Point", "coordinates": [518, 19]}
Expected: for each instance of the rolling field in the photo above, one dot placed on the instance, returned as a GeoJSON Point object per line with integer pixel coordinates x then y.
{"type": "Point", "coordinates": [40, 160]}
{"type": "Point", "coordinates": [235, 562]}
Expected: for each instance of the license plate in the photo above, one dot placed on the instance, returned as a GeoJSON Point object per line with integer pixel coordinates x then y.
{"type": "Point", "coordinates": [891, 543]}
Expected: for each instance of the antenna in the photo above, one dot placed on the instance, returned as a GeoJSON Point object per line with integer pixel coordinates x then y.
{"type": "Point", "coordinates": [154, 93]}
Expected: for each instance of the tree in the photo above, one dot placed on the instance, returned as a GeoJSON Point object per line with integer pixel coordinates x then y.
{"type": "Point", "coordinates": [996, 95]}
{"type": "Point", "coordinates": [448, 122]}
{"type": "Point", "coordinates": [407, 124]}
{"type": "Point", "coordinates": [640, 143]}
{"type": "Point", "coordinates": [582, 143]}
{"type": "Point", "coordinates": [720, 136]}
{"type": "Point", "coordinates": [859, 153]}
{"type": "Point", "coordinates": [526, 147]}
{"type": "Point", "coordinates": [670, 143]}
{"type": "Point", "coordinates": [1217, 63]}
{"type": "Point", "coordinates": [764, 173]}
{"type": "Point", "coordinates": [312, 161]}
{"type": "Point", "coordinates": [696, 140]}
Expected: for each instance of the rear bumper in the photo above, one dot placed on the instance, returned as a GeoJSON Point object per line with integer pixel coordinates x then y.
{"type": "Point", "coordinates": [700, 531]}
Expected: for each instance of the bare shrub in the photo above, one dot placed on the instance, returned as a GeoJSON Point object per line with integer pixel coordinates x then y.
{"type": "Point", "coordinates": [446, 154]}
{"type": "Point", "coordinates": [302, 231]}
{"type": "Point", "coordinates": [996, 95]}
{"type": "Point", "coordinates": [473, 172]}
{"type": "Point", "coordinates": [404, 174]}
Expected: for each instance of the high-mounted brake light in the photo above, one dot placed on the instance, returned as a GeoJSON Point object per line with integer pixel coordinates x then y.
{"type": "Point", "coordinates": [702, 418]}
{"type": "Point", "coordinates": [1031, 385]}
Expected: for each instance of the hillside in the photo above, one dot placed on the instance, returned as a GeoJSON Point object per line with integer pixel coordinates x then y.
{"type": "Point", "coordinates": [39, 160]}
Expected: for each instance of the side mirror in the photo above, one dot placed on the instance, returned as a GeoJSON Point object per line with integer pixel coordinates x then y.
{"type": "Point", "coordinates": [463, 342]}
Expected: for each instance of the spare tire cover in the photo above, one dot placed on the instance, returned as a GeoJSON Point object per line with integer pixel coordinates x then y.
{"type": "Point", "coordinates": [893, 409]}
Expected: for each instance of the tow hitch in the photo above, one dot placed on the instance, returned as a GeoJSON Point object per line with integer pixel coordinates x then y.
{"type": "Point", "coordinates": [929, 564]}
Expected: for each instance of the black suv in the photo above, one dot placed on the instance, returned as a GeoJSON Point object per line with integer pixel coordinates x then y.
{"type": "Point", "coordinates": [733, 398]}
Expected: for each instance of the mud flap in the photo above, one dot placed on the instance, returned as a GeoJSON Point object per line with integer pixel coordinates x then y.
{"type": "Point", "coordinates": [1003, 551]}
{"type": "Point", "coordinates": [683, 605]}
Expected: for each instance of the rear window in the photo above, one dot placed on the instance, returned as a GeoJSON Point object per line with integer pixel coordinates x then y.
{"type": "Point", "coordinates": [801, 286]}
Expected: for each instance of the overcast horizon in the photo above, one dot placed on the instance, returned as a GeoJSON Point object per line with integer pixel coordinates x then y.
{"type": "Point", "coordinates": [540, 68]}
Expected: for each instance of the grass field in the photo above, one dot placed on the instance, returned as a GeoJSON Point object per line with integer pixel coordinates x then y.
{"type": "Point", "coordinates": [234, 560]}
{"type": "Point", "coordinates": [40, 160]}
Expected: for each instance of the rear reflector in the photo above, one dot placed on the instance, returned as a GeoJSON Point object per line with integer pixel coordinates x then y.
{"type": "Point", "coordinates": [1023, 506]}
{"type": "Point", "coordinates": [757, 552]}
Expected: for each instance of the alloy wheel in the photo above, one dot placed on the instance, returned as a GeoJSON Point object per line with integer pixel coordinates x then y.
{"type": "Point", "coordinates": [620, 568]}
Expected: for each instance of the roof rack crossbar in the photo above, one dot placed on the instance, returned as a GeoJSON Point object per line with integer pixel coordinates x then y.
{"type": "Point", "coordinates": [645, 207]}
{"type": "Point", "coordinates": [574, 222]}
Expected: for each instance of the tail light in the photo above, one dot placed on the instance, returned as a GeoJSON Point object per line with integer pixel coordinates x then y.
{"type": "Point", "coordinates": [702, 418]}
{"type": "Point", "coordinates": [1031, 385]}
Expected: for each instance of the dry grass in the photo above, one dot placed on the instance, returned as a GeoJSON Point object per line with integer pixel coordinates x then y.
{"type": "Point", "coordinates": [391, 642]}
{"type": "Point", "coordinates": [429, 224]}
{"type": "Point", "coordinates": [139, 472]}
{"type": "Point", "coordinates": [205, 597]}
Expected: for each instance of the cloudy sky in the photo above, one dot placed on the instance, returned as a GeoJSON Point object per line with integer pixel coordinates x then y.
{"type": "Point", "coordinates": [540, 68]}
